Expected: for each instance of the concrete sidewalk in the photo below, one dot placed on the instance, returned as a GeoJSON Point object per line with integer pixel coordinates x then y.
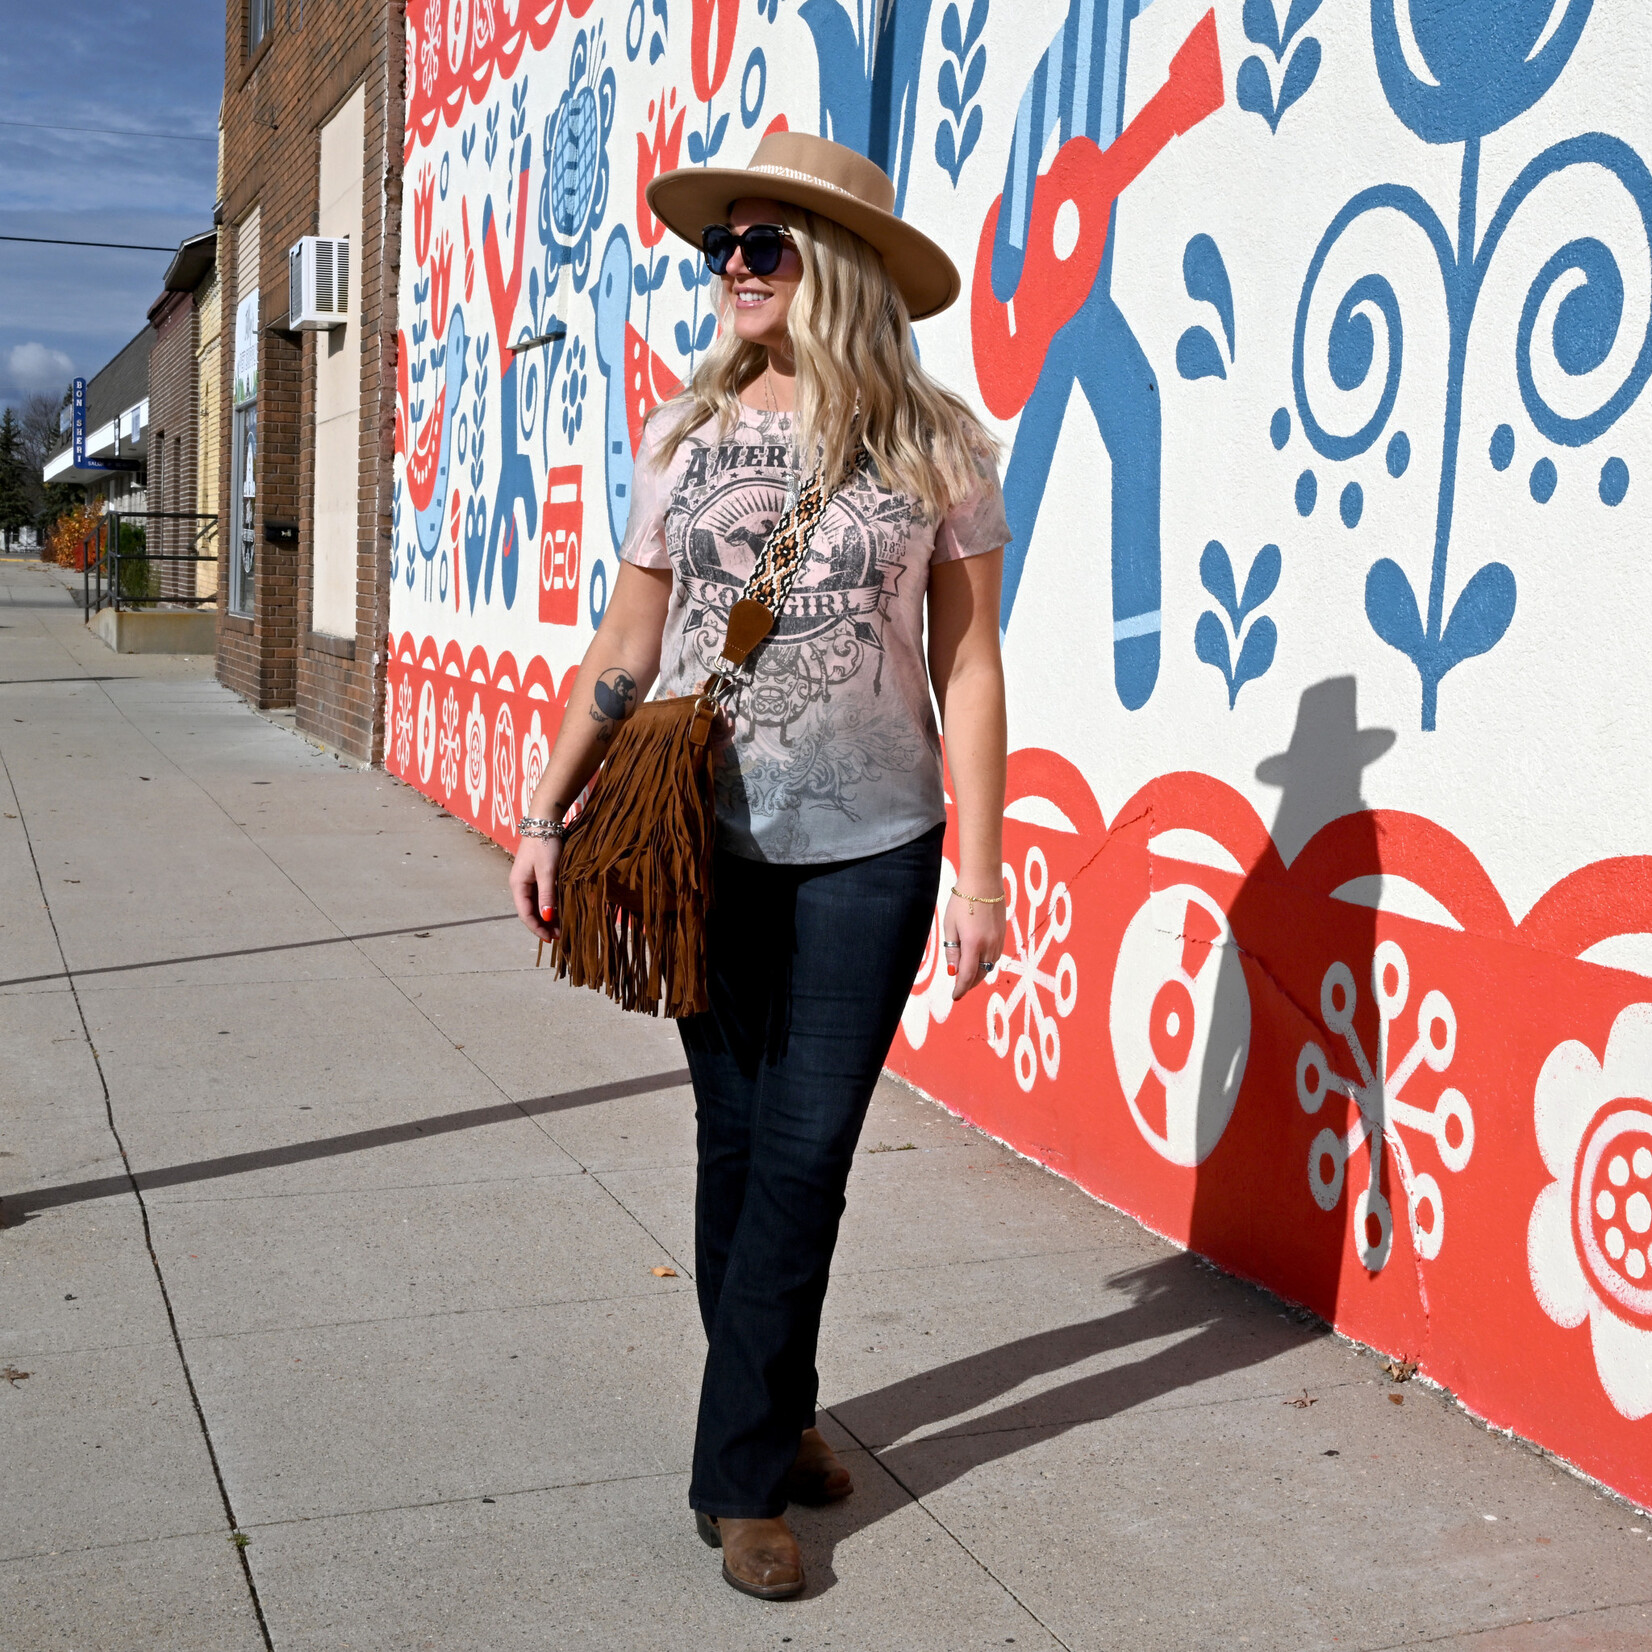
{"type": "Point", "coordinates": [329, 1309]}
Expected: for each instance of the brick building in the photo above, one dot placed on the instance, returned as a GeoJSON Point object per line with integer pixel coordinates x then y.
{"type": "Point", "coordinates": [312, 145]}
{"type": "Point", "coordinates": [183, 424]}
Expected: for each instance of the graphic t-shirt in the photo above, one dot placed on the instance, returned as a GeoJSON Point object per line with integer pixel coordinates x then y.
{"type": "Point", "coordinates": [834, 752]}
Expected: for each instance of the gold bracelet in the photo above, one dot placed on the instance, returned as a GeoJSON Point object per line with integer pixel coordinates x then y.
{"type": "Point", "coordinates": [976, 900]}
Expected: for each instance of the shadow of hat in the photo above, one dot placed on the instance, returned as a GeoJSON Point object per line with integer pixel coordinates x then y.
{"type": "Point", "coordinates": [1327, 735]}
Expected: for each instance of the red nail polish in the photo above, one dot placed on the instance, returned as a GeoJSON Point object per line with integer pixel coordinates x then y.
{"type": "Point", "coordinates": [952, 969]}
{"type": "Point", "coordinates": [546, 912]}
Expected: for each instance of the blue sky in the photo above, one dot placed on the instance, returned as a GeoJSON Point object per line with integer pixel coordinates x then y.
{"type": "Point", "coordinates": [153, 67]}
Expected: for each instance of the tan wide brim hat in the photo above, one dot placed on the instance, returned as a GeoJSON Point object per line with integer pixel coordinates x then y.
{"type": "Point", "coordinates": [801, 170]}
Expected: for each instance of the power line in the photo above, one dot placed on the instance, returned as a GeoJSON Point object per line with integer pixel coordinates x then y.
{"type": "Point", "coordinates": [112, 246]}
{"type": "Point", "coordinates": [111, 131]}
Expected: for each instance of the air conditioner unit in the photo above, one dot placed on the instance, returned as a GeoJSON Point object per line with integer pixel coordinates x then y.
{"type": "Point", "coordinates": [318, 283]}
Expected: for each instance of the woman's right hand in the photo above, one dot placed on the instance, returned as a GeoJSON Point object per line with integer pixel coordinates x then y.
{"type": "Point", "coordinates": [533, 884]}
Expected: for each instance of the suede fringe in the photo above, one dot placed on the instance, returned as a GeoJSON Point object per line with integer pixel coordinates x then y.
{"type": "Point", "coordinates": [634, 881]}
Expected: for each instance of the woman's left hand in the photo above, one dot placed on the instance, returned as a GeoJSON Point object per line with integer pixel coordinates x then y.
{"type": "Point", "coordinates": [974, 937]}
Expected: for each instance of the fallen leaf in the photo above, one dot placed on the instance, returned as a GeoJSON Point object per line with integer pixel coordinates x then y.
{"type": "Point", "coordinates": [13, 1375]}
{"type": "Point", "coordinates": [663, 1273]}
{"type": "Point", "coordinates": [1396, 1399]}
{"type": "Point", "coordinates": [1303, 1403]}
{"type": "Point", "coordinates": [1401, 1370]}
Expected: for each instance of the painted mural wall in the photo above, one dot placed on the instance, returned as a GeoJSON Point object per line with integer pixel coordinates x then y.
{"type": "Point", "coordinates": [1317, 333]}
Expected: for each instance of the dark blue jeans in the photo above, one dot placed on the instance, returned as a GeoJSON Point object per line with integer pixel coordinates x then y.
{"type": "Point", "coordinates": [809, 967]}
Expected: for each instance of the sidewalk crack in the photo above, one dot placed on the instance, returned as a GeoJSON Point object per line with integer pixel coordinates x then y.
{"type": "Point", "coordinates": [919, 1503]}
{"type": "Point", "coordinates": [143, 1216]}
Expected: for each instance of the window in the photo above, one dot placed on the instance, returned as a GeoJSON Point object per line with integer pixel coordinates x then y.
{"type": "Point", "coordinates": [260, 20]}
{"type": "Point", "coordinates": [243, 501]}
{"type": "Point", "coordinates": [243, 544]}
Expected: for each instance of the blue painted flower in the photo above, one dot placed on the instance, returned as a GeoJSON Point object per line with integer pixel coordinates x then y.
{"type": "Point", "coordinates": [1479, 62]}
{"type": "Point", "coordinates": [574, 195]}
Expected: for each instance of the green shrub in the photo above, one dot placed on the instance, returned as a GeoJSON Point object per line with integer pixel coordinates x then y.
{"type": "Point", "coordinates": [139, 580]}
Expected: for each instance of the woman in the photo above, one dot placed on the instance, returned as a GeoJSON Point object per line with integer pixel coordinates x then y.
{"type": "Point", "coordinates": [829, 801]}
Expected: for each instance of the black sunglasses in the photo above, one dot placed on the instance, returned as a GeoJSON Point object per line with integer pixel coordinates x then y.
{"type": "Point", "coordinates": [762, 246]}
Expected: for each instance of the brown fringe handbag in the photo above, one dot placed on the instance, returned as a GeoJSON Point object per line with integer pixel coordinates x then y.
{"type": "Point", "coordinates": [634, 879]}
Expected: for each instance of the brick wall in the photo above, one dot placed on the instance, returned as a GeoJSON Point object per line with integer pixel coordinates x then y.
{"type": "Point", "coordinates": [172, 436]}
{"type": "Point", "coordinates": [274, 105]}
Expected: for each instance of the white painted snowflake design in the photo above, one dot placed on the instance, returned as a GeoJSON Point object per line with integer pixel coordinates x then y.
{"type": "Point", "coordinates": [430, 51]}
{"type": "Point", "coordinates": [1382, 1112]}
{"type": "Point", "coordinates": [1589, 1241]}
{"type": "Point", "coordinates": [504, 768]}
{"type": "Point", "coordinates": [404, 724]}
{"type": "Point", "coordinates": [476, 756]}
{"type": "Point", "coordinates": [536, 752]}
{"type": "Point", "coordinates": [1026, 947]}
{"type": "Point", "coordinates": [449, 743]}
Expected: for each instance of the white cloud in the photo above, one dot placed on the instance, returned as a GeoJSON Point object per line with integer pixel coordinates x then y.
{"type": "Point", "coordinates": [38, 367]}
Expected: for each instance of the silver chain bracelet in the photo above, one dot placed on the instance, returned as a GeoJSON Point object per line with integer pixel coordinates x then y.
{"type": "Point", "coordinates": [527, 826]}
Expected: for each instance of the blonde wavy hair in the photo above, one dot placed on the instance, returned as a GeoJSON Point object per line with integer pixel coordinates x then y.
{"type": "Point", "coordinates": [859, 380]}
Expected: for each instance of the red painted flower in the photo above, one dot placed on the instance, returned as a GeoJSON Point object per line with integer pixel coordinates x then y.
{"type": "Point", "coordinates": [709, 72]}
{"type": "Point", "coordinates": [424, 201]}
{"type": "Point", "coordinates": [441, 281]}
{"type": "Point", "coordinates": [653, 159]}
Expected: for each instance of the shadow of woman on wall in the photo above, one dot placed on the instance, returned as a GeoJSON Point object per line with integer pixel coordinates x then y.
{"type": "Point", "coordinates": [1180, 1322]}
{"type": "Point", "coordinates": [1275, 1189]}
{"type": "Point", "coordinates": [1255, 1004]}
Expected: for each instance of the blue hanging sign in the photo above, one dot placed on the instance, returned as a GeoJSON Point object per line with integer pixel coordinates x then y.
{"type": "Point", "coordinates": [78, 428]}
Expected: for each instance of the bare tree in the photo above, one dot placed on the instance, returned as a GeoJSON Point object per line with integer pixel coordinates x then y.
{"type": "Point", "coordinates": [39, 437]}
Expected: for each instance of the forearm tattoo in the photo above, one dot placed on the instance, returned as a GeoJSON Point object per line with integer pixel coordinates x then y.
{"type": "Point", "coordinates": [613, 699]}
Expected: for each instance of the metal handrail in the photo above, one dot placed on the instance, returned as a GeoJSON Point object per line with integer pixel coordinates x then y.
{"type": "Point", "coordinates": [105, 588]}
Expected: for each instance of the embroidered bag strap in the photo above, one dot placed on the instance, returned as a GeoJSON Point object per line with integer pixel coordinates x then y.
{"type": "Point", "coordinates": [779, 565]}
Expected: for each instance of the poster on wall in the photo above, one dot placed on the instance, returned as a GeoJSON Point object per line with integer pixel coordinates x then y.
{"type": "Point", "coordinates": [246, 349]}
{"type": "Point", "coordinates": [1316, 339]}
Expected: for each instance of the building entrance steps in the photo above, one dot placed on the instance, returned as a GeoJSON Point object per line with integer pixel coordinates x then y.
{"type": "Point", "coordinates": [332, 1225]}
{"type": "Point", "coordinates": [157, 630]}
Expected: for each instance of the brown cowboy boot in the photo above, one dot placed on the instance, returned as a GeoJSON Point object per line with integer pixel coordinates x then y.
{"type": "Point", "coordinates": [760, 1557]}
{"type": "Point", "coordinates": [817, 1476]}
